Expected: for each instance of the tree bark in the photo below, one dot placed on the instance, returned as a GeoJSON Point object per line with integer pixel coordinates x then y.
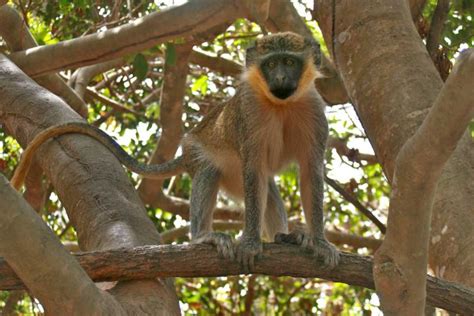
{"type": "Point", "coordinates": [276, 260]}
{"type": "Point", "coordinates": [159, 27]}
{"type": "Point", "coordinates": [401, 261]}
{"type": "Point", "coordinates": [171, 110]}
{"type": "Point", "coordinates": [393, 83]}
{"type": "Point", "coordinates": [25, 240]}
{"type": "Point", "coordinates": [101, 203]}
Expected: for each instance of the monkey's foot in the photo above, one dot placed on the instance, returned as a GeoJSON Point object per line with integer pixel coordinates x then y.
{"type": "Point", "coordinates": [223, 243]}
{"type": "Point", "coordinates": [247, 249]}
{"type": "Point", "coordinates": [320, 246]}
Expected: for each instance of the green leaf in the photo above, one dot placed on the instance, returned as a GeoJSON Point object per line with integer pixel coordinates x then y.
{"type": "Point", "coordinates": [140, 66]}
{"type": "Point", "coordinates": [170, 58]}
{"type": "Point", "coordinates": [200, 85]}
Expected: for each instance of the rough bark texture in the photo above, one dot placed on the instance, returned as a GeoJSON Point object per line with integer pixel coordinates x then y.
{"type": "Point", "coordinates": [100, 201]}
{"type": "Point", "coordinates": [401, 261]}
{"type": "Point", "coordinates": [393, 83]}
{"type": "Point", "coordinates": [277, 260]}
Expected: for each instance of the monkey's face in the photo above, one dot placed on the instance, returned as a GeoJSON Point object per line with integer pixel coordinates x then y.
{"type": "Point", "coordinates": [282, 72]}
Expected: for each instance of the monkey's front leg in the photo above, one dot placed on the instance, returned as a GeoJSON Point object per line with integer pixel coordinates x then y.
{"type": "Point", "coordinates": [312, 194]}
{"type": "Point", "coordinates": [255, 190]}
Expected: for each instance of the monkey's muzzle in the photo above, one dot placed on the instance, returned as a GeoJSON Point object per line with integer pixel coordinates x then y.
{"type": "Point", "coordinates": [283, 92]}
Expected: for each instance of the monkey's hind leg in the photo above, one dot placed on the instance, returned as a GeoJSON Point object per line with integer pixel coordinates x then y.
{"type": "Point", "coordinates": [205, 186]}
{"type": "Point", "coordinates": [275, 217]}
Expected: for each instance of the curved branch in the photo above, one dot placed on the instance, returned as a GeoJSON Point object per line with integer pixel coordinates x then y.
{"type": "Point", "coordinates": [159, 27]}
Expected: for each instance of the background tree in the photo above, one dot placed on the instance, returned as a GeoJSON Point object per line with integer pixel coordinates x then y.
{"type": "Point", "coordinates": [146, 73]}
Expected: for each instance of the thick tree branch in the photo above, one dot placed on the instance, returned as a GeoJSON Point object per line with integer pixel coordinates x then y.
{"type": "Point", "coordinates": [336, 237]}
{"type": "Point", "coordinates": [25, 240]}
{"type": "Point", "coordinates": [18, 37]}
{"type": "Point", "coordinates": [400, 279]}
{"type": "Point", "coordinates": [278, 260]}
{"type": "Point", "coordinates": [102, 205]}
{"type": "Point", "coordinates": [159, 27]}
{"type": "Point", "coordinates": [393, 83]}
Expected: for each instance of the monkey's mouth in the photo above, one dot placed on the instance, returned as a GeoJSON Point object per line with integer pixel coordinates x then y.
{"type": "Point", "coordinates": [283, 93]}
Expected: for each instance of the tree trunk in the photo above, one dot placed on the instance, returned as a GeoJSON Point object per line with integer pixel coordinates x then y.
{"type": "Point", "coordinates": [393, 83]}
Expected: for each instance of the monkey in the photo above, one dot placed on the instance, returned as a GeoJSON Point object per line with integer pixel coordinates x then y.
{"type": "Point", "coordinates": [275, 117]}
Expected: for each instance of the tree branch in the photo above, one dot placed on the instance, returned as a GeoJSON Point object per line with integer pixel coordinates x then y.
{"type": "Point", "coordinates": [352, 154]}
{"type": "Point", "coordinates": [354, 201]}
{"type": "Point", "coordinates": [25, 240]}
{"type": "Point", "coordinates": [278, 260]}
{"type": "Point", "coordinates": [173, 90]}
{"type": "Point", "coordinates": [399, 278]}
{"type": "Point", "coordinates": [436, 27]}
{"type": "Point", "coordinates": [215, 63]}
{"type": "Point", "coordinates": [336, 237]}
{"type": "Point", "coordinates": [18, 37]}
{"type": "Point", "coordinates": [159, 27]}
{"type": "Point", "coordinates": [102, 205]}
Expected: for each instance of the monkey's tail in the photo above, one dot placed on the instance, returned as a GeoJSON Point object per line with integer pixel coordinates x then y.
{"type": "Point", "coordinates": [158, 171]}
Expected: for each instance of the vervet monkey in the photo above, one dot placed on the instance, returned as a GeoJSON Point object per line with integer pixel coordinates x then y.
{"type": "Point", "coordinates": [276, 117]}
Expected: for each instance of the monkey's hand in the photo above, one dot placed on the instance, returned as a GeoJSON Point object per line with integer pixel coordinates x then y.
{"type": "Point", "coordinates": [320, 246]}
{"type": "Point", "coordinates": [223, 242]}
{"type": "Point", "coordinates": [247, 250]}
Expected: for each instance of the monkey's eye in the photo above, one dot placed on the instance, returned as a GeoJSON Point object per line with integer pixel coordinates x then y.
{"type": "Point", "coordinates": [289, 62]}
{"type": "Point", "coordinates": [271, 64]}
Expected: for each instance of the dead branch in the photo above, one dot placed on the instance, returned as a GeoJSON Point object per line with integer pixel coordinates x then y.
{"type": "Point", "coordinates": [82, 76]}
{"type": "Point", "coordinates": [277, 260]}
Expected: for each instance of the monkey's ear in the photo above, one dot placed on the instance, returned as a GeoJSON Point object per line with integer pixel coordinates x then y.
{"type": "Point", "coordinates": [250, 55]}
{"type": "Point", "coordinates": [315, 48]}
